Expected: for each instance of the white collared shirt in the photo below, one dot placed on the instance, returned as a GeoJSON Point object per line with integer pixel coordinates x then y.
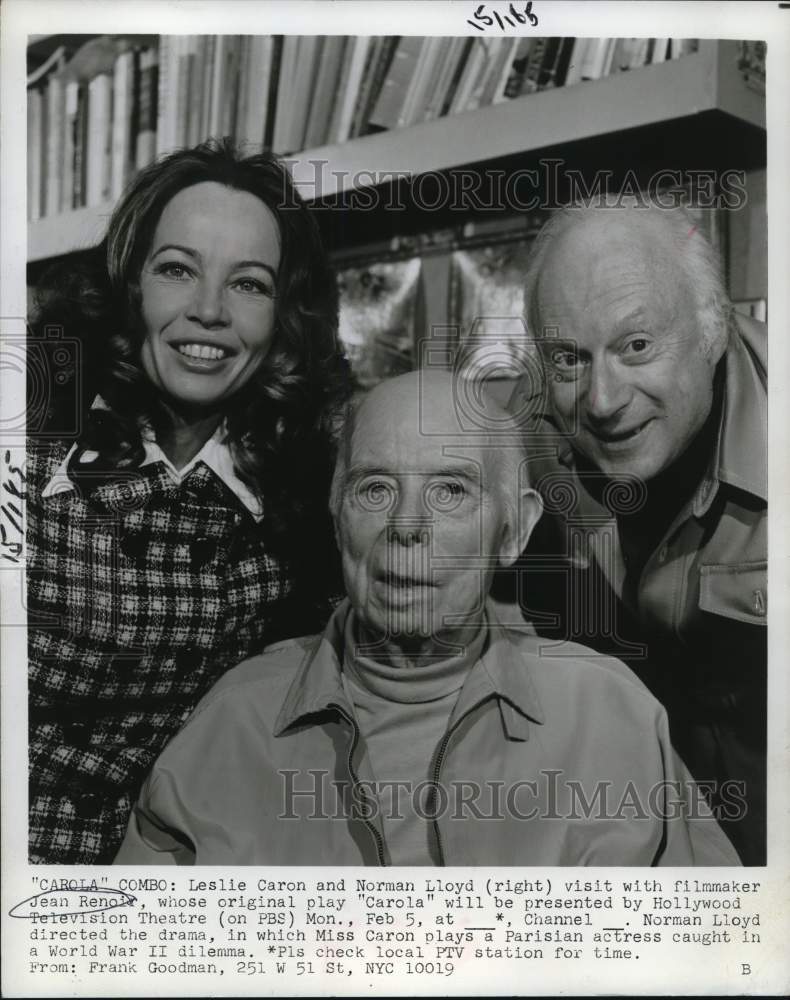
{"type": "Point", "coordinates": [215, 453]}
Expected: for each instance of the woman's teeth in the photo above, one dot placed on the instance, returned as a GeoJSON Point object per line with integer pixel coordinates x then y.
{"type": "Point", "coordinates": [202, 351]}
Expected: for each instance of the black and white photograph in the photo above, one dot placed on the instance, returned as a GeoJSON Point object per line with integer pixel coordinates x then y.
{"type": "Point", "coordinates": [385, 484]}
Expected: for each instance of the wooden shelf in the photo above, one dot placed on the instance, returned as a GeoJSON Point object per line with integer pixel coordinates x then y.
{"type": "Point", "coordinates": [705, 81]}
{"type": "Point", "coordinates": [55, 235]}
{"type": "Point", "coordinates": [651, 95]}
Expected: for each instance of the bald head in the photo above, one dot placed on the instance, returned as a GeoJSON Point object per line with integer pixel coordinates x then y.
{"type": "Point", "coordinates": [666, 242]}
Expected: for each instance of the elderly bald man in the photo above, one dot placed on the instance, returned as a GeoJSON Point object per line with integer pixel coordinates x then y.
{"type": "Point", "coordinates": [659, 513]}
{"type": "Point", "coordinates": [418, 729]}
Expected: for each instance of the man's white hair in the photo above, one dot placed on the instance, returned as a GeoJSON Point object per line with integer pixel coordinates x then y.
{"type": "Point", "coordinates": [699, 258]}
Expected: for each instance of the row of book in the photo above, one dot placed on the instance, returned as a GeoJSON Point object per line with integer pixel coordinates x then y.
{"type": "Point", "coordinates": [97, 115]}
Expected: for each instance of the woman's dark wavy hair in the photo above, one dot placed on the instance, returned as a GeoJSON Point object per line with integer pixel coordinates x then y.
{"type": "Point", "coordinates": [278, 423]}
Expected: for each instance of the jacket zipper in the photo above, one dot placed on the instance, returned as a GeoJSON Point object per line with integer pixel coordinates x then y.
{"type": "Point", "coordinates": [437, 768]}
{"type": "Point", "coordinates": [377, 838]}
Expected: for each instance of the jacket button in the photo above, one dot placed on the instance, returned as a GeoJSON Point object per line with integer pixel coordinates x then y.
{"type": "Point", "coordinates": [134, 546]}
{"type": "Point", "coordinates": [759, 602]}
{"type": "Point", "coordinates": [202, 551]}
{"type": "Point", "coordinates": [662, 554]}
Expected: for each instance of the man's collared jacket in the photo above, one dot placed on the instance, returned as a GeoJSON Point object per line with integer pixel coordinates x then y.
{"type": "Point", "coordinates": [693, 623]}
{"type": "Point", "coordinates": [546, 761]}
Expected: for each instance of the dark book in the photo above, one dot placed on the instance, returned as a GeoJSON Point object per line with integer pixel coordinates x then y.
{"type": "Point", "coordinates": [274, 87]}
{"type": "Point", "coordinates": [80, 147]}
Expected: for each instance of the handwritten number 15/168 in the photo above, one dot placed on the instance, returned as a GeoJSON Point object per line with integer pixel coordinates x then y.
{"type": "Point", "coordinates": [513, 17]}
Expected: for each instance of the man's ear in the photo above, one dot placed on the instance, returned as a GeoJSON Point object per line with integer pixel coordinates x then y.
{"type": "Point", "coordinates": [515, 536]}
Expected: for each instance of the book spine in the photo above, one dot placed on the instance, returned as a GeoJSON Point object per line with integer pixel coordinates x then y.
{"type": "Point", "coordinates": [35, 152]}
{"type": "Point", "coordinates": [207, 82]}
{"type": "Point", "coordinates": [69, 125]}
{"type": "Point", "coordinates": [182, 90]}
{"type": "Point", "coordinates": [123, 100]}
{"type": "Point", "coordinates": [389, 104]}
{"type": "Point", "coordinates": [99, 136]}
{"type": "Point", "coordinates": [326, 90]}
{"type": "Point", "coordinates": [365, 84]}
{"type": "Point", "coordinates": [308, 54]}
{"type": "Point", "coordinates": [165, 93]}
{"type": "Point", "coordinates": [147, 114]}
{"type": "Point", "coordinates": [195, 97]}
{"type": "Point", "coordinates": [457, 76]}
{"type": "Point", "coordinates": [532, 73]}
{"type": "Point", "coordinates": [54, 150]}
{"type": "Point", "coordinates": [347, 100]}
{"type": "Point", "coordinates": [81, 146]}
{"type": "Point", "coordinates": [449, 63]}
{"type": "Point", "coordinates": [517, 69]}
{"type": "Point", "coordinates": [231, 85]}
{"type": "Point", "coordinates": [493, 53]}
{"type": "Point", "coordinates": [274, 89]}
{"type": "Point", "coordinates": [285, 90]}
{"type": "Point", "coordinates": [425, 103]}
{"type": "Point", "coordinates": [258, 82]}
{"type": "Point", "coordinates": [378, 76]}
{"type": "Point", "coordinates": [638, 53]}
{"type": "Point", "coordinates": [661, 50]}
{"type": "Point", "coordinates": [595, 57]}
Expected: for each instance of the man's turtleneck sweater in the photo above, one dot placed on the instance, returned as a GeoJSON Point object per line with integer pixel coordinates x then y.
{"type": "Point", "coordinates": [402, 713]}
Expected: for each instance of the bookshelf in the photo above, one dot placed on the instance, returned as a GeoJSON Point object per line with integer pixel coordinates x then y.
{"type": "Point", "coordinates": [697, 107]}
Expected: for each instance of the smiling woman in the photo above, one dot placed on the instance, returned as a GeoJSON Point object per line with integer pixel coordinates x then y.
{"type": "Point", "coordinates": [185, 526]}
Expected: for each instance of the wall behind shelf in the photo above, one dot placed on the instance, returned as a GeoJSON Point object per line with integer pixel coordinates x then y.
{"type": "Point", "coordinates": [747, 272]}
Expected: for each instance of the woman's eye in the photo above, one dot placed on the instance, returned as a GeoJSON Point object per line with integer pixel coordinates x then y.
{"type": "Point", "coordinates": [252, 286]}
{"type": "Point", "coordinates": [173, 270]}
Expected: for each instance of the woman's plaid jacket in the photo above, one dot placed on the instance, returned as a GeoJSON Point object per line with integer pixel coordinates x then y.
{"type": "Point", "coordinates": [141, 593]}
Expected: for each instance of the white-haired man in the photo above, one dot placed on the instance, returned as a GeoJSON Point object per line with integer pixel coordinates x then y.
{"type": "Point", "coordinates": [659, 490]}
{"type": "Point", "coordinates": [419, 729]}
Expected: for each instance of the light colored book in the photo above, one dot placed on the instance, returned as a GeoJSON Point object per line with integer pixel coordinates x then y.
{"type": "Point", "coordinates": [661, 50]}
{"type": "Point", "coordinates": [70, 105]}
{"type": "Point", "coordinates": [476, 63]}
{"type": "Point", "coordinates": [497, 94]}
{"type": "Point", "coordinates": [35, 152]}
{"type": "Point", "coordinates": [56, 114]}
{"type": "Point", "coordinates": [326, 91]}
{"type": "Point", "coordinates": [122, 106]}
{"type": "Point", "coordinates": [495, 49]}
{"type": "Point", "coordinates": [197, 54]}
{"type": "Point", "coordinates": [169, 50]}
{"type": "Point", "coordinates": [282, 117]}
{"type": "Point", "coordinates": [447, 71]}
{"type": "Point", "coordinates": [597, 59]}
{"type": "Point", "coordinates": [308, 57]}
{"type": "Point", "coordinates": [97, 167]}
{"type": "Point", "coordinates": [435, 54]}
{"type": "Point", "coordinates": [392, 96]}
{"type": "Point", "coordinates": [574, 73]}
{"type": "Point", "coordinates": [639, 49]}
{"type": "Point", "coordinates": [259, 71]}
{"type": "Point", "coordinates": [347, 97]}
{"type": "Point", "coordinates": [232, 56]}
{"type": "Point", "coordinates": [207, 83]}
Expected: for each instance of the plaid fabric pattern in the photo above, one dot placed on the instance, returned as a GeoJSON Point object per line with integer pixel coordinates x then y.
{"type": "Point", "coordinates": [141, 593]}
